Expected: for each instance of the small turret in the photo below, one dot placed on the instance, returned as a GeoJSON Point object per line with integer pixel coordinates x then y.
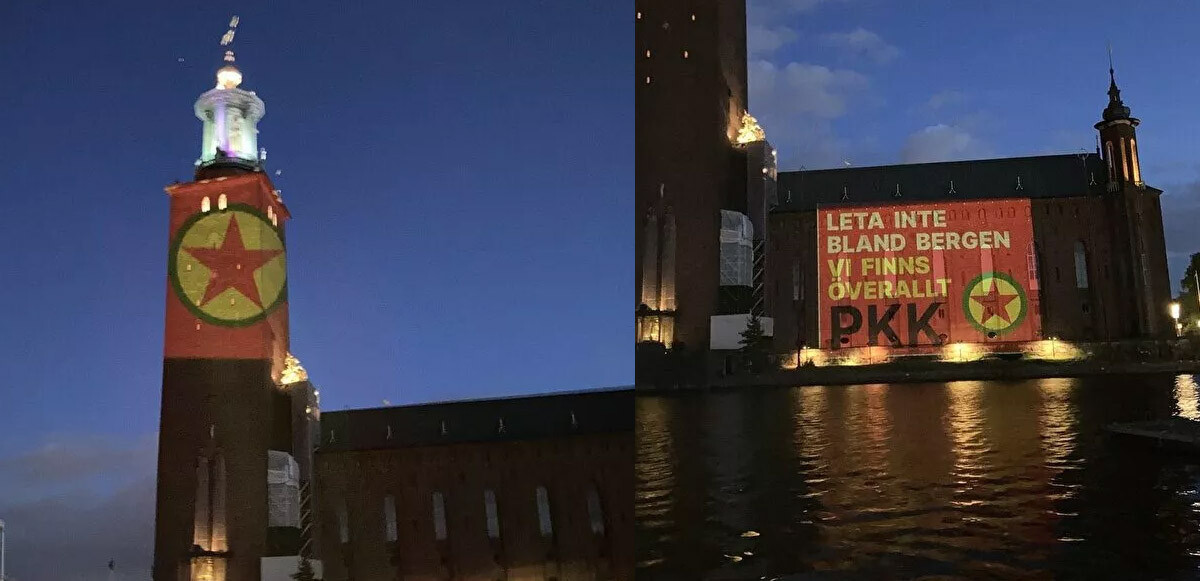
{"type": "Point", "coordinates": [230, 115]}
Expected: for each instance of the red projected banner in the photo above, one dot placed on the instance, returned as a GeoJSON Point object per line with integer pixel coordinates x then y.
{"type": "Point", "coordinates": [927, 274]}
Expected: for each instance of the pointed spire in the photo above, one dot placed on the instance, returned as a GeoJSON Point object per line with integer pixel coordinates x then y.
{"type": "Point", "coordinates": [1116, 109]}
{"type": "Point", "coordinates": [229, 77]}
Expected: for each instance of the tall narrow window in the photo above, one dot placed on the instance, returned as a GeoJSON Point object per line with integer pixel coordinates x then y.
{"type": "Point", "coordinates": [1133, 158]}
{"type": "Point", "coordinates": [205, 204]}
{"type": "Point", "coordinates": [1108, 156]}
{"type": "Point", "coordinates": [666, 269]}
{"type": "Point", "coordinates": [543, 511]}
{"type": "Point", "coordinates": [795, 280]}
{"type": "Point", "coordinates": [389, 518]}
{"type": "Point", "coordinates": [1081, 267]}
{"type": "Point", "coordinates": [650, 258]}
{"type": "Point", "coordinates": [493, 518]}
{"type": "Point", "coordinates": [222, 202]}
{"type": "Point", "coordinates": [439, 516]}
{"type": "Point", "coordinates": [1124, 160]}
{"type": "Point", "coordinates": [595, 511]}
{"type": "Point", "coordinates": [343, 523]}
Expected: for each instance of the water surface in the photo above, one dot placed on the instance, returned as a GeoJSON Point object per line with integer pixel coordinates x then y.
{"type": "Point", "coordinates": [961, 480]}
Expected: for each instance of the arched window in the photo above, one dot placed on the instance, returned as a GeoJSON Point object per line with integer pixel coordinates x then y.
{"type": "Point", "coordinates": [493, 517]}
{"type": "Point", "coordinates": [439, 516]}
{"type": "Point", "coordinates": [595, 511]}
{"type": "Point", "coordinates": [1133, 159]}
{"type": "Point", "coordinates": [205, 204]}
{"type": "Point", "coordinates": [543, 511]}
{"type": "Point", "coordinates": [1124, 160]}
{"type": "Point", "coordinates": [222, 202]}
{"type": "Point", "coordinates": [1108, 156]}
{"type": "Point", "coordinates": [389, 518]}
{"type": "Point", "coordinates": [1081, 268]}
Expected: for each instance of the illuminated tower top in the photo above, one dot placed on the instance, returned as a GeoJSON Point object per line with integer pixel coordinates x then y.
{"type": "Point", "coordinates": [230, 116]}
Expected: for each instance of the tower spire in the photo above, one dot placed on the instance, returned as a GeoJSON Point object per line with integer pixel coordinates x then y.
{"type": "Point", "coordinates": [230, 115]}
{"type": "Point", "coordinates": [1116, 108]}
{"type": "Point", "coordinates": [228, 76]}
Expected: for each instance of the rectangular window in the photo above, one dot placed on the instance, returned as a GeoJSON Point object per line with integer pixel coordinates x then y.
{"type": "Point", "coordinates": [493, 519]}
{"type": "Point", "coordinates": [389, 518]}
{"type": "Point", "coordinates": [795, 280]}
{"type": "Point", "coordinates": [595, 511]}
{"type": "Point", "coordinates": [439, 516]}
{"type": "Point", "coordinates": [543, 511]}
{"type": "Point", "coordinates": [343, 523]}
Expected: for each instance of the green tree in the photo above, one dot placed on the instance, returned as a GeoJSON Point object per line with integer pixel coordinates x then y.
{"type": "Point", "coordinates": [305, 571]}
{"type": "Point", "coordinates": [1189, 304]}
{"type": "Point", "coordinates": [754, 344]}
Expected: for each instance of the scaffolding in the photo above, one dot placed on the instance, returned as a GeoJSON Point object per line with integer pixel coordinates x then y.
{"type": "Point", "coordinates": [737, 249]}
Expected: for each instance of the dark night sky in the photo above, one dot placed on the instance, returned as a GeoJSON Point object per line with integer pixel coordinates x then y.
{"type": "Point", "coordinates": [460, 176]}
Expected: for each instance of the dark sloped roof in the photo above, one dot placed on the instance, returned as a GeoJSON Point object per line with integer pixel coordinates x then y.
{"type": "Point", "coordinates": [1046, 176]}
{"type": "Point", "coordinates": [524, 418]}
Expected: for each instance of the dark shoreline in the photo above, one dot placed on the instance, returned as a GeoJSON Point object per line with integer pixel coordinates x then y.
{"type": "Point", "coordinates": [995, 370]}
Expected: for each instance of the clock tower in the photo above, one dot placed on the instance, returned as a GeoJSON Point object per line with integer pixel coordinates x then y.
{"type": "Point", "coordinates": [229, 484]}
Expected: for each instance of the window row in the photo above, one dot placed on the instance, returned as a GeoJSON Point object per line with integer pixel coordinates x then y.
{"type": "Point", "coordinates": [223, 203]}
{"type": "Point", "coordinates": [541, 506]}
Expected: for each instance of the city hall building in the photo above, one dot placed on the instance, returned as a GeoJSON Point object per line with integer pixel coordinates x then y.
{"type": "Point", "coordinates": [993, 253]}
{"type": "Point", "coordinates": [253, 483]}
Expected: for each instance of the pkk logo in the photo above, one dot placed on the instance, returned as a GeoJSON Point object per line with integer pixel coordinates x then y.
{"type": "Point", "coordinates": [995, 303]}
{"type": "Point", "coordinates": [228, 267]}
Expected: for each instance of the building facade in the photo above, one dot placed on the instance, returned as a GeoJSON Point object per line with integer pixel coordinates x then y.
{"type": "Point", "coordinates": [529, 488]}
{"type": "Point", "coordinates": [704, 176]}
{"type": "Point", "coordinates": [1094, 269]}
{"type": "Point", "coordinates": [234, 454]}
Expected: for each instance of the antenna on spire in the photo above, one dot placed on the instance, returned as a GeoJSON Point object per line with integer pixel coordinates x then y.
{"type": "Point", "coordinates": [1112, 76]}
{"type": "Point", "coordinates": [227, 38]}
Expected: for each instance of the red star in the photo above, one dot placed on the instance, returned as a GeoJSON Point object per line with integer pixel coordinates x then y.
{"type": "Point", "coordinates": [994, 304]}
{"type": "Point", "coordinates": [232, 265]}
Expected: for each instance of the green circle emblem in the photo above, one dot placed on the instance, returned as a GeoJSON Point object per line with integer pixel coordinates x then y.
{"type": "Point", "coordinates": [229, 266]}
{"type": "Point", "coordinates": [994, 303]}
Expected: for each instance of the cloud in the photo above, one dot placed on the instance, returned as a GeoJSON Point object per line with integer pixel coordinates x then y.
{"type": "Point", "coordinates": [1181, 213]}
{"type": "Point", "coordinates": [798, 102]}
{"type": "Point", "coordinates": [861, 43]}
{"type": "Point", "coordinates": [72, 504]}
{"type": "Point", "coordinates": [763, 11]}
{"type": "Point", "coordinates": [72, 459]}
{"type": "Point", "coordinates": [944, 99]}
{"type": "Point", "coordinates": [762, 40]}
{"type": "Point", "coordinates": [942, 143]}
{"type": "Point", "coordinates": [803, 89]}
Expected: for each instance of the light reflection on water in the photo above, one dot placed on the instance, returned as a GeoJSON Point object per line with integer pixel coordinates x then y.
{"type": "Point", "coordinates": [963, 480]}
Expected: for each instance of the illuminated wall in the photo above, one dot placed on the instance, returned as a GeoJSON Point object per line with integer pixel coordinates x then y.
{"type": "Point", "coordinates": [927, 274]}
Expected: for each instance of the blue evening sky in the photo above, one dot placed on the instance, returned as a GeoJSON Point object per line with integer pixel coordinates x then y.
{"type": "Point", "coordinates": [876, 81]}
{"type": "Point", "coordinates": [460, 176]}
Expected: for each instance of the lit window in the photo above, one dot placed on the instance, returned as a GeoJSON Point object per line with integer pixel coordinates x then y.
{"type": "Point", "coordinates": [389, 518]}
{"type": "Point", "coordinates": [205, 204]}
{"type": "Point", "coordinates": [222, 202]}
{"type": "Point", "coordinates": [693, 18]}
{"type": "Point", "coordinates": [343, 523]}
{"type": "Point", "coordinates": [543, 510]}
{"type": "Point", "coordinates": [1133, 156]}
{"type": "Point", "coordinates": [493, 519]}
{"type": "Point", "coordinates": [639, 15]}
{"type": "Point", "coordinates": [685, 54]}
{"type": "Point", "coordinates": [1124, 160]}
{"type": "Point", "coordinates": [647, 53]}
{"type": "Point", "coordinates": [439, 516]}
{"type": "Point", "coordinates": [647, 80]}
{"type": "Point", "coordinates": [1109, 158]}
{"type": "Point", "coordinates": [595, 512]}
